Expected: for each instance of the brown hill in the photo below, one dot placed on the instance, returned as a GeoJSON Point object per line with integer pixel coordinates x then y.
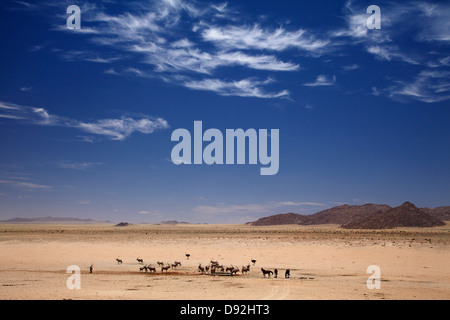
{"type": "Point", "coordinates": [406, 215]}
{"type": "Point", "coordinates": [344, 214]}
{"type": "Point", "coordinates": [442, 213]}
{"type": "Point", "coordinates": [337, 215]}
{"type": "Point", "coordinates": [278, 219]}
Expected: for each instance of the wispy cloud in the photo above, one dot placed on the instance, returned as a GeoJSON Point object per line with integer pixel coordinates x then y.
{"type": "Point", "coordinates": [429, 86]}
{"type": "Point", "coordinates": [322, 80]}
{"type": "Point", "coordinates": [173, 39]}
{"type": "Point", "coordinates": [255, 37]}
{"type": "Point", "coordinates": [114, 129]}
{"type": "Point", "coordinates": [78, 165]}
{"type": "Point", "coordinates": [244, 88]}
{"type": "Point", "coordinates": [148, 31]}
{"type": "Point", "coordinates": [24, 185]}
{"type": "Point", "coordinates": [25, 89]}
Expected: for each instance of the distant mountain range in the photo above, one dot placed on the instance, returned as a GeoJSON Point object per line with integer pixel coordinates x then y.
{"type": "Point", "coordinates": [368, 216]}
{"type": "Point", "coordinates": [52, 220]}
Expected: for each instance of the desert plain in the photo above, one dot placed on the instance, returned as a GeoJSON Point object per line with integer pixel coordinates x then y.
{"type": "Point", "coordinates": [325, 262]}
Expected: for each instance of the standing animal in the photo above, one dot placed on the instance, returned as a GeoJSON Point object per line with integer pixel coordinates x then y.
{"type": "Point", "coordinates": [90, 268]}
{"type": "Point", "coordinates": [139, 260]}
{"type": "Point", "coordinates": [276, 273]}
{"type": "Point", "coordinates": [268, 272]}
{"type": "Point", "coordinates": [165, 268]}
{"type": "Point", "coordinates": [287, 274]}
{"type": "Point", "coordinates": [151, 269]}
{"type": "Point", "coordinates": [219, 267]}
{"type": "Point", "coordinates": [119, 261]}
{"type": "Point", "coordinates": [201, 269]}
{"type": "Point", "coordinates": [178, 263]}
{"type": "Point", "coordinates": [143, 268]}
{"type": "Point", "coordinates": [234, 270]}
{"type": "Point", "coordinates": [245, 269]}
{"type": "Point", "coordinates": [160, 263]}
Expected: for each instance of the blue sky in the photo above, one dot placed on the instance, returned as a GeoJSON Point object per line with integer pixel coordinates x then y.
{"type": "Point", "coordinates": [86, 116]}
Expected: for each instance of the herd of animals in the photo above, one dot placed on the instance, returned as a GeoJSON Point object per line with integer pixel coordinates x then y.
{"type": "Point", "coordinates": [212, 268]}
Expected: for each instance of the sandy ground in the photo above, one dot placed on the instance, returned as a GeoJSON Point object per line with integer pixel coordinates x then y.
{"type": "Point", "coordinates": [326, 262]}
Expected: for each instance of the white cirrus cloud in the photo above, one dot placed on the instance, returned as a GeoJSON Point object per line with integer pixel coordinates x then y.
{"type": "Point", "coordinates": [114, 129]}
{"type": "Point", "coordinates": [24, 185]}
{"type": "Point", "coordinates": [244, 88]}
{"type": "Point", "coordinates": [429, 86]}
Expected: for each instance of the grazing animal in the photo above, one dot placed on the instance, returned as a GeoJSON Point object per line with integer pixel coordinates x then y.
{"type": "Point", "coordinates": [229, 269]}
{"type": "Point", "coordinates": [201, 269]}
{"type": "Point", "coordinates": [268, 272]}
{"type": "Point", "coordinates": [165, 268]}
{"type": "Point", "coordinates": [245, 269]}
{"type": "Point", "coordinates": [178, 263]}
{"type": "Point", "coordinates": [151, 269]}
{"type": "Point", "coordinates": [234, 270]}
{"type": "Point", "coordinates": [143, 268]}
{"type": "Point", "coordinates": [253, 261]}
{"type": "Point", "coordinates": [141, 261]}
{"type": "Point", "coordinates": [160, 263]}
{"type": "Point", "coordinates": [287, 274]}
{"type": "Point", "coordinates": [119, 261]}
{"type": "Point", "coordinates": [187, 256]}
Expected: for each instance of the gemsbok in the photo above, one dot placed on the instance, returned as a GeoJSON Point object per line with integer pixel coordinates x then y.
{"type": "Point", "coordinates": [268, 272]}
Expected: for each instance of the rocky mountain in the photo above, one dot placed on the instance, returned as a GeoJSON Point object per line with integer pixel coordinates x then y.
{"type": "Point", "coordinates": [344, 214]}
{"type": "Point", "coordinates": [279, 219]}
{"type": "Point", "coordinates": [368, 216]}
{"type": "Point", "coordinates": [442, 213]}
{"type": "Point", "coordinates": [337, 215]}
{"type": "Point", "coordinates": [406, 215]}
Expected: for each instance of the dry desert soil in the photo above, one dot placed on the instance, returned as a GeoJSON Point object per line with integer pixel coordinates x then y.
{"type": "Point", "coordinates": [325, 262]}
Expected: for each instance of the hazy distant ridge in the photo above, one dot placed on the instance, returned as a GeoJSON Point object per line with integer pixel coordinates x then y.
{"type": "Point", "coordinates": [49, 220]}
